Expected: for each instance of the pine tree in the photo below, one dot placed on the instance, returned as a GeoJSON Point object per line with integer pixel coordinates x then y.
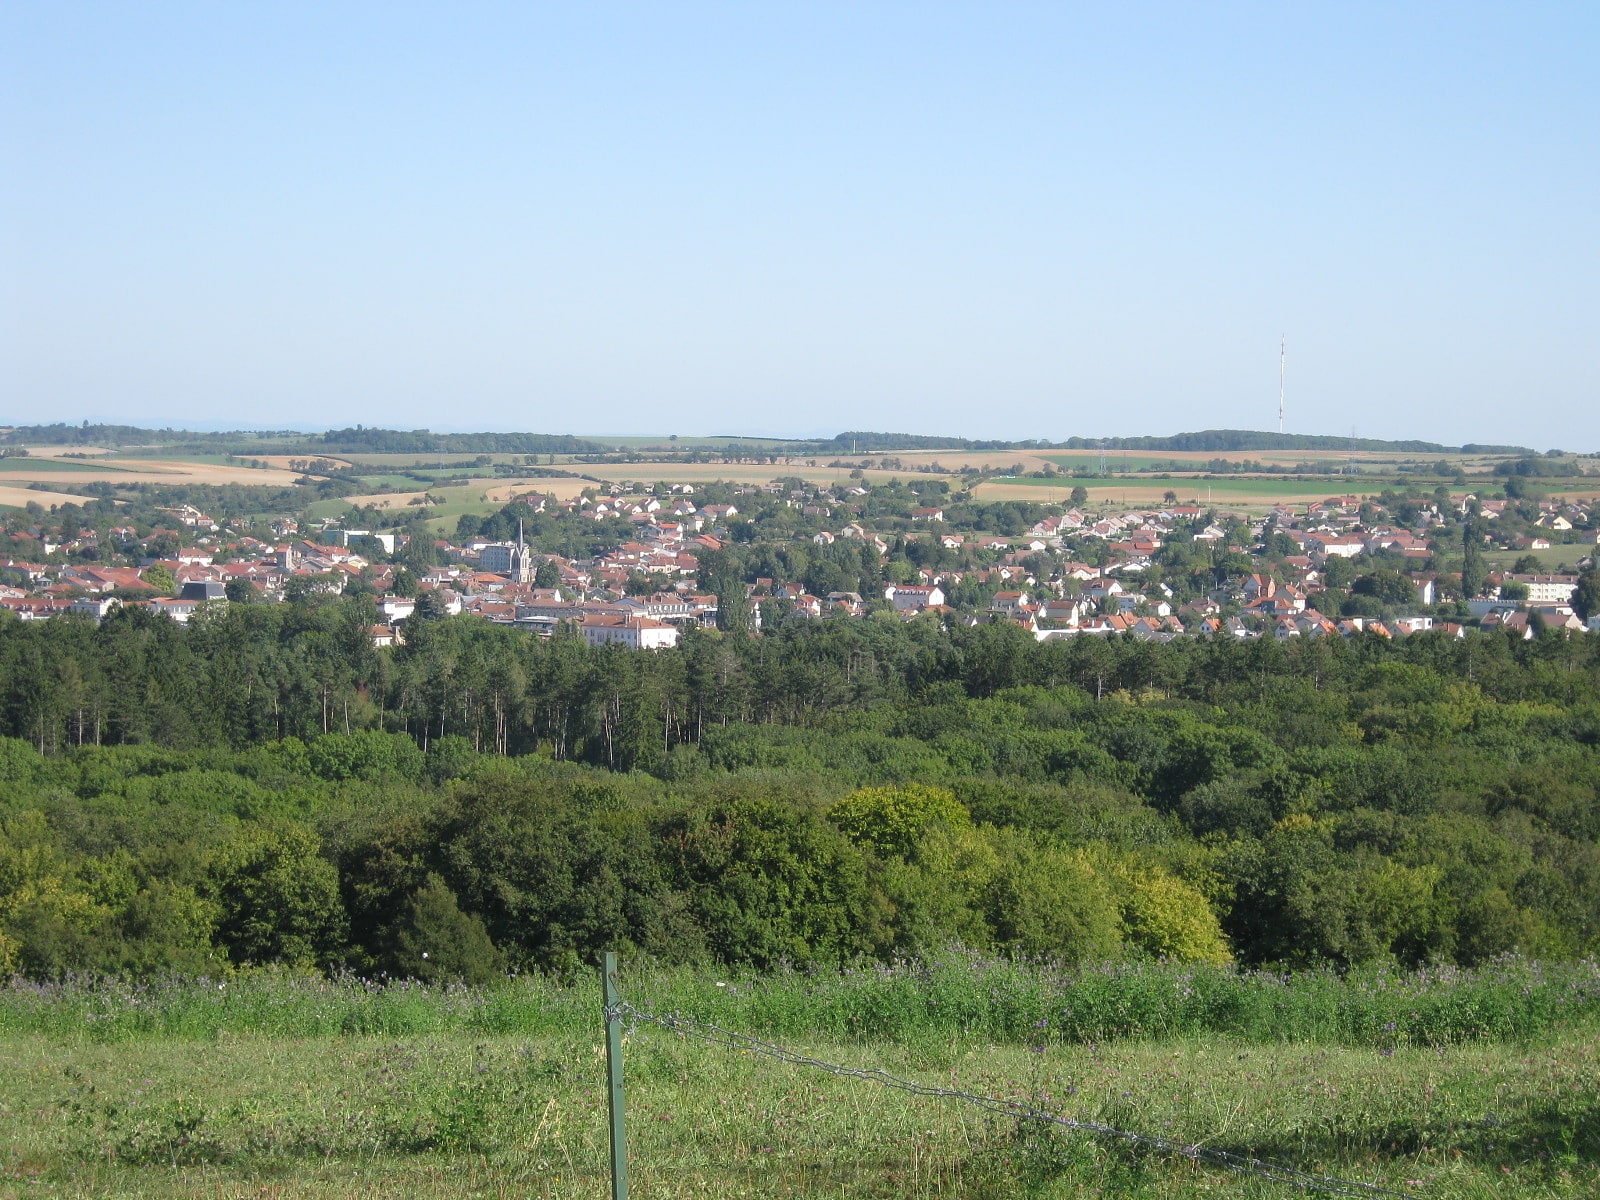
{"type": "Point", "coordinates": [438, 943]}
{"type": "Point", "coordinates": [733, 607]}
{"type": "Point", "coordinates": [1472, 573]}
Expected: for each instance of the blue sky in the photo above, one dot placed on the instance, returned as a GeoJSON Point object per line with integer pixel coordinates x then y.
{"type": "Point", "coordinates": [990, 220]}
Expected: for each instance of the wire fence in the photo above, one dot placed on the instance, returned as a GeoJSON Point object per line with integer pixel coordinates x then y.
{"type": "Point", "coordinates": [729, 1039]}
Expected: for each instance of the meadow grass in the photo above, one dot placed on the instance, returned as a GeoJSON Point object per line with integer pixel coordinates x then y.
{"type": "Point", "coordinates": [953, 993]}
{"type": "Point", "coordinates": [450, 1115]}
{"type": "Point", "coordinates": [1562, 552]}
{"type": "Point", "coordinates": [1448, 1083]}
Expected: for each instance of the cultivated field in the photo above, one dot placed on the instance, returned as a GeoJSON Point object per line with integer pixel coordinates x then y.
{"type": "Point", "coordinates": [21, 497]}
{"type": "Point", "coordinates": [282, 461]}
{"type": "Point", "coordinates": [672, 472]}
{"type": "Point", "coordinates": [1251, 491]}
{"type": "Point", "coordinates": [142, 470]}
{"type": "Point", "coordinates": [492, 493]}
{"type": "Point", "coordinates": [60, 451]}
{"type": "Point", "coordinates": [1332, 460]}
{"type": "Point", "coordinates": [477, 497]}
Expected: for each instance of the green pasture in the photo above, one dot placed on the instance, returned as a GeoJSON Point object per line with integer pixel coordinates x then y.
{"type": "Point", "coordinates": [319, 510]}
{"type": "Point", "coordinates": [443, 473]}
{"type": "Point", "coordinates": [1571, 486]}
{"type": "Point", "coordinates": [174, 454]}
{"type": "Point", "coordinates": [392, 481]}
{"type": "Point", "coordinates": [60, 466]}
{"type": "Point", "coordinates": [1444, 1083]}
{"type": "Point", "coordinates": [447, 1116]}
{"type": "Point", "coordinates": [1549, 560]}
{"type": "Point", "coordinates": [466, 497]}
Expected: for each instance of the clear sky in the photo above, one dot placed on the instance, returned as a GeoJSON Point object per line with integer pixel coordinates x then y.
{"type": "Point", "coordinates": [1003, 220]}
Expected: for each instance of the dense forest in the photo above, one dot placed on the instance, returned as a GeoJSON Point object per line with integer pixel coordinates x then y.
{"type": "Point", "coordinates": [262, 785]}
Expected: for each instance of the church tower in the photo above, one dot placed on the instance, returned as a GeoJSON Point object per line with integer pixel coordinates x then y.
{"type": "Point", "coordinates": [521, 561]}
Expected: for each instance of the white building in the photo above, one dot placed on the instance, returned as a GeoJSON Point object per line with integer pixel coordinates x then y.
{"type": "Point", "coordinates": [1337, 545]}
{"type": "Point", "coordinates": [508, 558]}
{"type": "Point", "coordinates": [396, 608]}
{"type": "Point", "coordinates": [912, 597]}
{"type": "Point", "coordinates": [1548, 589]}
{"type": "Point", "coordinates": [636, 633]}
{"type": "Point", "coordinates": [98, 607]}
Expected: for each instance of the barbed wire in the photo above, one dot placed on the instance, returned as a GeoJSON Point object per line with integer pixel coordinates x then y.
{"type": "Point", "coordinates": [729, 1039]}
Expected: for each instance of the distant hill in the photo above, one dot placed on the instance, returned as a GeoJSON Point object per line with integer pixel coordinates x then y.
{"type": "Point", "coordinates": [358, 440]}
{"type": "Point", "coordinates": [859, 442]}
{"type": "Point", "coordinates": [361, 440]}
{"type": "Point", "coordinates": [1249, 439]}
{"type": "Point", "coordinates": [112, 436]}
{"type": "Point", "coordinates": [1211, 440]}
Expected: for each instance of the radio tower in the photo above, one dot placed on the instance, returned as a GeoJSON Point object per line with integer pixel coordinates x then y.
{"type": "Point", "coordinates": [1283, 345]}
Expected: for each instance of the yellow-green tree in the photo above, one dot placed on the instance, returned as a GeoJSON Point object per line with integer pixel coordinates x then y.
{"type": "Point", "coordinates": [891, 820]}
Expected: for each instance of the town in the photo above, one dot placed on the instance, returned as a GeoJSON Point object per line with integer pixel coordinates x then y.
{"type": "Point", "coordinates": [632, 564]}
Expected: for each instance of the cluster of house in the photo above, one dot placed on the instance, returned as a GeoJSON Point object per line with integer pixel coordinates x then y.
{"type": "Point", "coordinates": [1053, 596]}
{"type": "Point", "coordinates": [1077, 598]}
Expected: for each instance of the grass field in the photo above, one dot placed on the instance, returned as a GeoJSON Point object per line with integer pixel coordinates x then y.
{"type": "Point", "coordinates": [51, 468]}
{"type": "Point", "coordinates": [453, 1116]}
{"type": "Point", "coordinates": [1502, 560]}
{"type": "Point", "coordinates": [290, 1086]}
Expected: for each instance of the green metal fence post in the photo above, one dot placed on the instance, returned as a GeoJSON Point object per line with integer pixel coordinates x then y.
{"type": "Point", "coordinates": [619, 1136]}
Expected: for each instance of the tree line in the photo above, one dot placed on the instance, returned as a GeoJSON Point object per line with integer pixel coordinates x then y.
{"type": "Point", "coordinates": [262, 785]}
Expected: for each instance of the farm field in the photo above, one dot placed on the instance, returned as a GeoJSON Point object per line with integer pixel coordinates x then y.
{"type": "Point", "coordinates": [145, 470]}
{"type": "Point", "coordinates": [952, 460]}
{"type": "Point", "coordinates": [1333, 461]}
{"type": "Point", "coordinates": [52, 468]}
{"type": "Point", "coordinates": [62, 451]}
{"type": "Point", "coordinates": [665, 443]}
{"type": "Point", "coordinates": [475, 496]}
{"type": "Point", "coordinates": [1250, 491]}
{"type": "Point", "coordinates": [282, 461]}
{"type": "Point", "coordinates": [456, 1115]}
{"type": "Point", "coordinates": [675, 472]}
{"type": "Point", "coordinates": [406, 461]}
{"type": "Point", "coordinates": [21, 497]}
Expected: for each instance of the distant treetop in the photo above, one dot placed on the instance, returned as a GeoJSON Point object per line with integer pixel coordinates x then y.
{"type": "Point", "coordinates": [361, 439]}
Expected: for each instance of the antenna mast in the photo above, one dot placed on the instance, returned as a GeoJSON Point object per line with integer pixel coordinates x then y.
{"type": "Point", "coordinates": [1283, 346]}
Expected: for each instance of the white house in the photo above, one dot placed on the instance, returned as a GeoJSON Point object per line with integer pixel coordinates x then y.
{"type": "Point", "coordinates": [636, 633]}
{"type": "Point", "coordinates": [396, 608]}
{"type": "Point", "coordinates": [1548, 589]}
{"type": "Point", "coordinates": [910, 597]}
